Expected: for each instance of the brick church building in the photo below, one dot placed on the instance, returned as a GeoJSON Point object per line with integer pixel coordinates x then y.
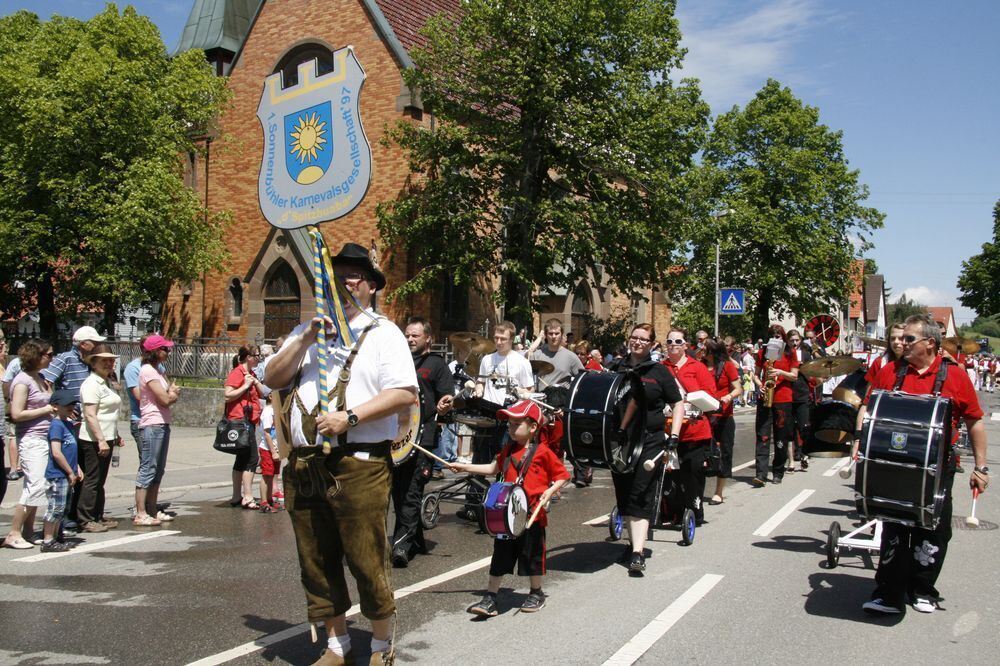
{"type": "Point", "coordinates": [266, 287]}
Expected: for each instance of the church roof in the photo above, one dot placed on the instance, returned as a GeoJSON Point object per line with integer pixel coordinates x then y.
{"type": "Point", "coordinates": [218, 24]}
{"type": "Point", "coordinates": [407, 17]}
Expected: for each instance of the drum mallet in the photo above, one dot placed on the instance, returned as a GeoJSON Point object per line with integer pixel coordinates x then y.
{"type": "Point", "coordinates": [425, 451]}
{"type": "Point", "coordinates": [972, 521]}
{"type": "Point", "coordinates": [845, 471]}
{"type": "Point", "coordinates": [651, 463]}
{"type": "Point", "coordinates": [534, 514]}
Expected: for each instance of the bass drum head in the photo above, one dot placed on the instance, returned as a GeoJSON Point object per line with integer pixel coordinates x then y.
{"type": "Point", "coordinates": [517, 511]}
{"type": "Point", "coordinates": [597, 403]}
{"type": "Point", "coordinates": [409, 432]}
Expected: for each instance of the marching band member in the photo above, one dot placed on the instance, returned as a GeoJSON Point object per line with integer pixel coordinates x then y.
{"type": "Point", "coordinates": [410, 477]}
{"type": "Point", "coordinates": [802, 391]}
{"type": "Point", "coordinates": [727, 389]}
{"type": "Point", "coordinates": [891, 356]}
{"type": "Point", "coordinates": [635, 491]}
{"type": "Point", "coordinates": [774, 422]}
{"type": "Point", "coordinates": [695, 437]}
{"type": "Point", "coordinates": [543, 478]}
{"type": "Point", "coordinates": [911, 558]}
{"type": "Point", "coordinates": [338, 501]}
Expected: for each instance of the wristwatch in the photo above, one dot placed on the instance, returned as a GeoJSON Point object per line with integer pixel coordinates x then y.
{"type": "Point", "coordinates": [983, 470]}
{"type": "Point", "coordinates": [352, 418]}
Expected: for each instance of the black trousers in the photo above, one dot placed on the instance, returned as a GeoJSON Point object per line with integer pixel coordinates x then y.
{"type": "Point", "coordinates": [90, 502]}
{"type": "Point", "coordinates": [800, 415]}
{"type": "Point", "coordinates": [773, 425]}
{"type": "Point", "coordinates": [724, 436]}
{"type": "Point", "coordinates": [690, 477]}
{"type": "Point", "coordinates": [911, 558]}
{"type": "Point", "coordinates": [408, 481]}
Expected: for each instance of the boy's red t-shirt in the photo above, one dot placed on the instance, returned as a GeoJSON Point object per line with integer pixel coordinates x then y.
{"type": "Point", "coordinates": [545, 468]}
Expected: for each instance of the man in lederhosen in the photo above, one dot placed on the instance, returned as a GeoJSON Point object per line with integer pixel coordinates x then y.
{"type": "Point", "coordinates": [410, 477]}
{"type": "Point", "coordinates": [338, 501]}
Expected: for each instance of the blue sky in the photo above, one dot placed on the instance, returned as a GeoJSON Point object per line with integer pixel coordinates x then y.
{"type": "Point", "coordinates": [914, 86]}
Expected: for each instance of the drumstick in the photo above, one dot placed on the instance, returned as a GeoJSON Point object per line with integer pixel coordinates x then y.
{"type": "Point", "coordinates": [972, 521]}
{"type": "Point", "coordinates": [534, 515]}
{"type": "Point", "coordinates": [425, 451]}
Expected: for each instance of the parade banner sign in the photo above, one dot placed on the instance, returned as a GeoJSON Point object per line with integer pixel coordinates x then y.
{"type": "Point", "coordinates": [317, 163]}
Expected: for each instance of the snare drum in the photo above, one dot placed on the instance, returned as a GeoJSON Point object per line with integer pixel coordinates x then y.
{"type": "Point", "coordinates": [597, 402]}
{"type": "Point", "coordinates": [505, 510]}
{"type": "Point", "coordinates": [901, 475]}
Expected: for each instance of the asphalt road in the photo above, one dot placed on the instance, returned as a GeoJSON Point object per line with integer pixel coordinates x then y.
{"type": "Point", "coordinates": [221, 585]}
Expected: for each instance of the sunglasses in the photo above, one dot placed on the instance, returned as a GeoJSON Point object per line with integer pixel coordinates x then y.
{"type": "Point", "coordinates": [49, 353]}
{"type": "Point", "coordinates": [679, 341]}
{"type": "Point", "coordinates": [911, 339]}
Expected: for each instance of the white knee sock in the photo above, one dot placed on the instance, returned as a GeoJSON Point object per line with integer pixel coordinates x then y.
{"type": "Point", "coordinates": [339, 645]}
{"type": "Point", "coordinates": [379, 646]}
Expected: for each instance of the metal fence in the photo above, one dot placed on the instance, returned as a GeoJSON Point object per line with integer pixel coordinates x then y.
{"type": "Point", "coordinates": [208, 358]}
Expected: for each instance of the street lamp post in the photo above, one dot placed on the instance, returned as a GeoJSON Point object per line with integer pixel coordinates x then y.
{"type": "Point", "coordinates": [718, 216]}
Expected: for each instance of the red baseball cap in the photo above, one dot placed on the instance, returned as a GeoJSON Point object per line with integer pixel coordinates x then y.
{"type": "Point", "coordinates": [523, 409]}
{"type": "Point", "coordinates": [154, 342]}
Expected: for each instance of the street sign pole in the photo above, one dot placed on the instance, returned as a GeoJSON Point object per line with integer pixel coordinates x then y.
{"type": "Point", "coordinates": [718, 294]}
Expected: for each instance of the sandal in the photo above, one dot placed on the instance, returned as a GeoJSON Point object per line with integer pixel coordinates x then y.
{"type": "Point", "coordinates": [145, 521]}
{"type": "Point", "coordinates": [17, 544]}
{"type": "Point", "coordinates": [251, 505]}
{"type": "Point", "coordinates": [716, 500]}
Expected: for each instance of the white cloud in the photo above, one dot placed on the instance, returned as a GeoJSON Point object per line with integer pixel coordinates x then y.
{"type": "Point", "coordinates": [939, 297]}
{"type": "Point", "coordinates": [733, 52]}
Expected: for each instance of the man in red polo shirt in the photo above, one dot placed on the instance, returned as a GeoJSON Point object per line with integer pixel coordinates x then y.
{"type": "Point", "coordinates": [911, 558]}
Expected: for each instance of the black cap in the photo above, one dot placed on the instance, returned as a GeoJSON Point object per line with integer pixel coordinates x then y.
{"type": "Point", "coordinates": [354, 255]}
{"type": "Point", "coordinates": [64, 397]}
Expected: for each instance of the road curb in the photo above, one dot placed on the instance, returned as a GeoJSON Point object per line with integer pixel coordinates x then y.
{"type": "Point", "coordinates": [163, 491]}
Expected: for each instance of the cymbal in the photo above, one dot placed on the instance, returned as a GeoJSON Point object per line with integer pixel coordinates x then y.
{"type": "Point", "coordinates": [830, 366]}
{"type": "Point", "coordinates": [541, 367]}
{"type": "Point", "coordinates": [478, 350]}
{"type": "Point", "coordinates": [875, 342]}
{"type": "Point", "coordinates": [465, 339]}
{"type": "Point", "coordinates": [959, 344]}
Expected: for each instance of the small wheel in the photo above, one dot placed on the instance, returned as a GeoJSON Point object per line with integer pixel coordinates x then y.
{"type": "Point", "coordinates": [430, 511]}
{"type": "Point", "coordinates": [615, 525]}
{"type": "Point", "coordinates": [688, 524]}
{"type": "Point", "coordinates": [833, 545]}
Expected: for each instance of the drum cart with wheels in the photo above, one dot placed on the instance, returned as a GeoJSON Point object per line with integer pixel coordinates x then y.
{"type": "Point", "coordinates": [852, 541]}
{"type": "Point", "coordinates": [664, 491]}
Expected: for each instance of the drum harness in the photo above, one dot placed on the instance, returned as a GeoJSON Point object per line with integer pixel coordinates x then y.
{"type": "Point", "coordinates": [318, 480]}
{"type": "Point", "coordinates": [522, 467]}
{"type": "Point", "coordinates": [942, 374]}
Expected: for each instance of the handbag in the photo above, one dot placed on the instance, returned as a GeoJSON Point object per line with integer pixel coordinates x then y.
{"type": "Point", "coordinates": [234, 435]}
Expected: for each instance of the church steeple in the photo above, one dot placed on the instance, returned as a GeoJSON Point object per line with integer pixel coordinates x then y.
{"type": "Point", "coordinates": [219, 28]}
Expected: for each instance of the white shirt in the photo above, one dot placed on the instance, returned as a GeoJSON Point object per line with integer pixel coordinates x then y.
{"type": "Point", "coordinates": [512, 365]}
{"type": "Point", "coordinates": [383, 362]}
{"type": "Point", "coordinates": [266, 423]}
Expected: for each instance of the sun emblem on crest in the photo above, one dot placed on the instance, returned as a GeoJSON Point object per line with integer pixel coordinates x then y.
{"type": "Point", "coordinates": [308, 138]}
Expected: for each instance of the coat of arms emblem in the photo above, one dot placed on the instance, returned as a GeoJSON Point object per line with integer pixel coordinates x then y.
{"type": "Point", "coordinates": [316, 163]}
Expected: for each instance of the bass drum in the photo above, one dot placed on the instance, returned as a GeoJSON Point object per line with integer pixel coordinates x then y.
{"type": "Point", "coordinates": [901, 465]}
{"type": "Point", "coordinates": [597, 402]}
{"type": "Point", "coordinates": [410, 429]}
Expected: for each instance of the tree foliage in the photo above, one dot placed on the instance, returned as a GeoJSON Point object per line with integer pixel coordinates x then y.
{"type": "Point", "coordinates": [793, 217]}
{"type": "Point", "coordinates": [979, 280]}
{"type": "Point", "coordinates": [94, 120]}
{"type": "Point", "coordinates": [904, 307]}
{"type": "Point", "coordinates": [559, 141]}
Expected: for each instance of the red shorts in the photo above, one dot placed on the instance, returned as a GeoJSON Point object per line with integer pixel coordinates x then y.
{"type": "Point", "coordinates": [268, 465]}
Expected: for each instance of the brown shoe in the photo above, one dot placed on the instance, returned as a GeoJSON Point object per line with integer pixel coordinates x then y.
{"type": "Point", "coordinates": [93, 527]}
{"type": "Point", "coordinates": [330, 658]}
{"type": "Point", "coordinates": [109, 523]}
{"type": "Point", "coordinates": [382, 658]}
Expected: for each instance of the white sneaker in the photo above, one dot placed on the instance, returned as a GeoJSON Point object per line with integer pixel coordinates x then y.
{"type": "Point", "coordinates": [880, 606]}
{"type": "Point", "coordinates": [924, 605]}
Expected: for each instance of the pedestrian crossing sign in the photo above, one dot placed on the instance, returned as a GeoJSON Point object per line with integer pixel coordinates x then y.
{"type": "Point", "coordinates": [732, 301]}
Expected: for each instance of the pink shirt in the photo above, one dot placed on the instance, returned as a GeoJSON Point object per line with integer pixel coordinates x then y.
{"type": "Point", "coordinates": [150, 411]}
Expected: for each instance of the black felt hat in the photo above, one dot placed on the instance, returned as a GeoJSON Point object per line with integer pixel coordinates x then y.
{"type": "Point", "coordinates": [354, 255]}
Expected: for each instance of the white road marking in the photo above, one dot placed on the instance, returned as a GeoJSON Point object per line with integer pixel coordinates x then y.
{"type": "Point", "coordinates": [285, 634]}
{"type": "Point", "coordinates": [836, 466]}
{"type": "Point", "coordinates": [995, 416]}
{"type": "Point", "coordinates": [599, 520]}
{"type": "Point", "coordinates": [90, 547]}
{"type": "Point", "coordinates": [785, 511]}
{"type": "Point", "coordinates": [632, 651]}
{"type": "Point", "coordinates": [743, 466]}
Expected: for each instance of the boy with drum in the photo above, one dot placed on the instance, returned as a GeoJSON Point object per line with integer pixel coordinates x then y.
{"type": "Point", "coordinates": [544, 476]}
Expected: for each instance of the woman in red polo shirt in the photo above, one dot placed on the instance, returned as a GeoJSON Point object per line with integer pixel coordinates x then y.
{"type": "Point", "coordinates": [891, 355]}
{"type": "Point", "coordinates": [775, 423]}
{"type": "Point", "coordinates": [727, 389]}
{"type": "Point", "coordinates": [696, 433]}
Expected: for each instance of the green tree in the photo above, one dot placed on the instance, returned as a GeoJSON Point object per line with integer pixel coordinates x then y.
{"type": "Point", "coordinates": [980, 274]}
{"type": "Point", "coordinates": [559, 142]}
{"type": "Point", "coordinates": [94, 119]}
{"type": "Point", "coordinates": [794, 221]}
{"type": "Point", "coordinates": [904, 307]}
